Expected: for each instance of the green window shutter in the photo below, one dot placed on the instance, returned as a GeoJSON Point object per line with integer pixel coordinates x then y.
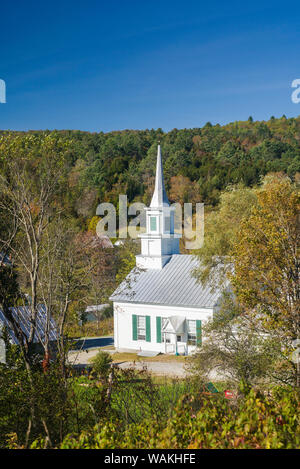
{"type": "Point", "coordinates": [148, 329]}
{"type": "Point", "coordinates": [199, 332]}
{"type": "Point", "coordinates": [158, 329]}
{"type": "Point", "coordinates": [134, 327]}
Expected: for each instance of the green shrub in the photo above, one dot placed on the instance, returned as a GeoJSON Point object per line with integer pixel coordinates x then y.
{"type": "Point", "coordinates": [254, 422]}
{"type": "Point", "coordinates": [101, 364]}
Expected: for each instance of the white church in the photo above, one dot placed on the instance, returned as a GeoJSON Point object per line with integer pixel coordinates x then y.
{"type": "Point", "coordinates": [160, 307]}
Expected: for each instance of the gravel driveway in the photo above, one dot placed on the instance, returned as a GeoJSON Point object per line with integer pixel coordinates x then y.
{"type": "Point", "coordinates": [172, 369]}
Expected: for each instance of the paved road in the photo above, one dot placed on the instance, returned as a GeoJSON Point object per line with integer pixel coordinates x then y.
{"type": "Point", "coordinates": [93, 342]}
{"type": "Point", "coordinates": [86, 348]}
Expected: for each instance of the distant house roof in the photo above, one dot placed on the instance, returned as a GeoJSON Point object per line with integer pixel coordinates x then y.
{"type": "Point", "coordinates": [96, 241]}
{"type": "Point", "coordinates": [105, 242]}
{"type": "Point", "coordinates": [4, 259]}
{"type": "Point", "coordinates": [173, 285]}
{"type": "Point", "coordinates": [119, 242]}
{"type": "Point", "coordinates": [95, 308]}
{"type": "Point", "coordinates": [22, 315]}
{"type": "Point", "coordinates": [91, 240]}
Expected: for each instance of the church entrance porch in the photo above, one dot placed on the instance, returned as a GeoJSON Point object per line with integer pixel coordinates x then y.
{"type": "Point", "coordinates": [180, 335]}
{"type": "Point", "coordinates": [174, 335]}
{"type": "Point", "coordinates": [175, 345]}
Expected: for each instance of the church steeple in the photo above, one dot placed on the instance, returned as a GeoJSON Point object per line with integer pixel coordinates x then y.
{"type": "Point", "coordinates": [160, 197]}
{"type": "Point", "coordinates": [159, 242]}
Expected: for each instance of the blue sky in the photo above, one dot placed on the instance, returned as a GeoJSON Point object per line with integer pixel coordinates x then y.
{"type": "Point", "coordinates": [102, 66]}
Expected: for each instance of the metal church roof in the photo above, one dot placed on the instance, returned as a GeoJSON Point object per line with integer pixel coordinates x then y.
{"type": "Point", "coordinates": [22, 315]}
{"type": "Point", "coordinates": [173, 285]}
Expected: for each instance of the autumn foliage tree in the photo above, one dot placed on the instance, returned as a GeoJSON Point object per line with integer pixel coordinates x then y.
{"type": "Point", "coordinates": [221, 228]}
{"type": "Point", "coordinates": [266, 261]}
{"type": "Point", "coordinates": [183, 190]}
{"type": "Point", "coordinates": [31, 181]}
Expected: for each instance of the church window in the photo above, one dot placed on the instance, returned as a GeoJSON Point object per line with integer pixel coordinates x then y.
{"type": "Point", "coordinates": [166, 336]}
{"type": "Point", "coordinates": [141, 327]}
{"type": "Point", "coordinates": [192, 333]}
{"type": "Point", "coordinates": [153, 225]}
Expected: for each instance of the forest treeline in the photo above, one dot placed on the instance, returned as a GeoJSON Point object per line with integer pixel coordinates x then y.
{"type": "Point", "coordinates": [198, 163]}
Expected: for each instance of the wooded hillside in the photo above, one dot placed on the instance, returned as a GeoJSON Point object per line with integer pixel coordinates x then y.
{"type": "Point", "coordinates": [199, 163]}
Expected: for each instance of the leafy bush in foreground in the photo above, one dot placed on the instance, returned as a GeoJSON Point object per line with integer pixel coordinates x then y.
{"type": "Point", "coordinates": [254, 422]}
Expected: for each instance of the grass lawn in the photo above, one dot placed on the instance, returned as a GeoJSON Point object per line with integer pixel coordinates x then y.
{"type": "Point", "coordinates": [162, 358]}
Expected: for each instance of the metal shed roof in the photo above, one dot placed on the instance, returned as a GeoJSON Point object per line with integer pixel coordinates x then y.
{"type": "Point", "coordinates": [22, 315]}
{"type": "Point", "coordinates": [173, 285]}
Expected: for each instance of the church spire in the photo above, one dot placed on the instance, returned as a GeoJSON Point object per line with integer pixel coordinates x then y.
{"type": "Point", "coordinates": [160, 197]}
{"type": "Point", "coordinates": [159, 242]}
